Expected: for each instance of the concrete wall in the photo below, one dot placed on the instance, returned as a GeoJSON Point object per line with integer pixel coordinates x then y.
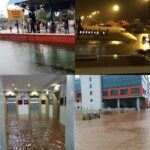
{"type": "Point", "coordinates": [91, 102]}
{"type": "Point", "coordinates": [23, 109]}
{"type": "Point", "coordinates": [43, 107]}
{"type": "Point", "coordinates": [2, 119]}
{"type": "Point", "coordinates": [62, 118]}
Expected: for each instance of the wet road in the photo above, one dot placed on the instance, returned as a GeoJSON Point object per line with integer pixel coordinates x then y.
{"type": "Point", "coordinates": [127, 131]}
{"type": "Point", "coordinates": [24, 133]}
{"type": "Point", "coordinates": [112, 53]}
{"type": "Point", "coordinates": [18, 58]}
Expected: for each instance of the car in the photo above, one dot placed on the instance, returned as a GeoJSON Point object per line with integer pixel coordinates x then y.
{"type": "Point", "coordinates": [146, 39]}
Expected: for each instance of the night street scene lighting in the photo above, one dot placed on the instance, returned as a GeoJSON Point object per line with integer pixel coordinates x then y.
{"type": "Point", "coordinates": [112, 28]}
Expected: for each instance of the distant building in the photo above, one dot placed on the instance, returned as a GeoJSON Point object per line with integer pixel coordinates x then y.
{"type": "Point", "coordinates": [112, 92]}
{"type": "Point", "coordinates": [125, 91]}
{"type": "Point", "coordinates": [88, 94]}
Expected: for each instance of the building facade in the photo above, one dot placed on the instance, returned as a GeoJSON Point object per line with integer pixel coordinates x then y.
{"type": "Point", "coordinates": [88, 94]}
{"type": "Point", "coordinates": [125, 91]}
{"type": "Point", "coordinates": [112, 92]}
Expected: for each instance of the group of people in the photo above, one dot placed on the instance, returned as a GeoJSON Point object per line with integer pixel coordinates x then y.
{"type": "Point", "coordinates": [34, 26]}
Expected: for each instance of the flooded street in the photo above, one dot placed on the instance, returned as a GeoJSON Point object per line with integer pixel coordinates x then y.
{"type": "Point", "coordinates": [113, 53]}
{"type": "Point", "coordinates": [118, 131]}
{"type": "Point", "coordinates": [18, 58]}
{"type": "Point", "coordinates": [25, 133]}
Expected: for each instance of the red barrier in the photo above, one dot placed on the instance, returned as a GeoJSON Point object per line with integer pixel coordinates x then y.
{"type": "Point", "coordinates": [40, 38]}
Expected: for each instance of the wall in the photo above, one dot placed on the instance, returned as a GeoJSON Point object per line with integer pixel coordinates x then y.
{"type": "Point", "coordinates": [91, 102]}
{"type": "Point", "coordinates": [2, 119]}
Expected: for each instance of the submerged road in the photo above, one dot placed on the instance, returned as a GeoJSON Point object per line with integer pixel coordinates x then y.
{"type": "Point", "coordinates": [98, 54]}
{"type": "Point", "coordinates": [118, 131]}
{"type": "Point", "coordinates": [18, 58]}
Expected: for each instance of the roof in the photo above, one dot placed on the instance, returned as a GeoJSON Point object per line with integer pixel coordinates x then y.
{"type": "Point", "coordinates": [15, 1]}
{"type": "Point", "coordinates": [55, 4]}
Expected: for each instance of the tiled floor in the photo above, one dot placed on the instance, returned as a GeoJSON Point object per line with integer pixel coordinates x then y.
{"type": "Point", "coordinates": [36, 133]}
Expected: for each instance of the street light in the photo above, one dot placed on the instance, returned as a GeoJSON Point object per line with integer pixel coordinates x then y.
{"type": "Point", "coordinates": [82, 17]}
{"type": "Point", "coordinates": [116, 8]}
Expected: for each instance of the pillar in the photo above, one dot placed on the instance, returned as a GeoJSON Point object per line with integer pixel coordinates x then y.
{"type": "Point", "coordinates": [70, 114]}
{"type": "Point", "coordinates": [2, 119]}
{"type": "Point", "coordinates": [55, 105]}
{"type": "Point", "coordinates": [138, 103]}
{"type": "Point", "coordinates": [118, 103]}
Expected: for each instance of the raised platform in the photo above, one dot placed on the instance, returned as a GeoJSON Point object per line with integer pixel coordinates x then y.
{"type": "Point", "coordinates": [39, 38]}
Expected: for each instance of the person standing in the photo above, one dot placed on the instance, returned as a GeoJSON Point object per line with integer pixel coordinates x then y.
{"type": "Point", "coordinates": [49, 25]}
{"type": "Point", "coordinates": [17, 26]}
{"type": "Point", "coordinates": [66, 26]}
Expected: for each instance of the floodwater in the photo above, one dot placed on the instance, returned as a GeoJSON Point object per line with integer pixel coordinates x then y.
{"type": "Point", "coordinates": [34, 133]}
{"type": "Point", "coordinates": [18, 58]}
{"type": "Point", "coordinates": [118, 131]}
{"type": "Point", "coordinates": [113, 53]}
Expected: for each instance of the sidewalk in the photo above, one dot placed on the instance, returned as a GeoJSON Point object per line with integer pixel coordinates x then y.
{"type": "Point", "coordinates": [42, 31]}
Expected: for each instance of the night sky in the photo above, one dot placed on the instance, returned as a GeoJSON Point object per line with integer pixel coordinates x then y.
{"type": "Point", "coordinates": [129, 9]}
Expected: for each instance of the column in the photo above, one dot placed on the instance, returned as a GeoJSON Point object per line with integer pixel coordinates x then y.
{"type": "Point", "coordinates": [137, 103]}
{"type": "Point", "coordinates": [55, 105]}
{"type": "Point", "coordinates": [118, 103]}
{"type": "Point", "coordinates": [2, 119]}
{"type": "Point", "coordinates": [70, 114]}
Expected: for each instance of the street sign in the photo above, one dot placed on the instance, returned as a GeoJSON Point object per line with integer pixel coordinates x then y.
{"type": "Point", "coordinates": [15, 14]}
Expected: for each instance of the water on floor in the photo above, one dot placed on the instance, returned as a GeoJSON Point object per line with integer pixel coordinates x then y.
{"type": "Point", "coordinates": [34, 133]}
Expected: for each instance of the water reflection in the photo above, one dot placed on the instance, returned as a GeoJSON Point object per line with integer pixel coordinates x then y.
{"type": "Point", "coordinates": [29, 58]}
{"type": "Point", "coordinates": [115, 49]}
{"type": "Point", "coordinates": [36, 133]}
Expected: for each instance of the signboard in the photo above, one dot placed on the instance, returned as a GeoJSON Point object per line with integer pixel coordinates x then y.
{"type": "Point", "coordinates": [15, 14]}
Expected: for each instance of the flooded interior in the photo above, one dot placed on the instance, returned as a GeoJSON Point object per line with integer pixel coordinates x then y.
{"type": "Point", "coordinates": [30, 58]}
{"type": "Point", "coordinates": [118, 131]}
{"type": "Point", "coordinates": [36, 132]}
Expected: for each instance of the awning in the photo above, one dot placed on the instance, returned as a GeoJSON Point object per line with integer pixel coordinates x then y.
{"type": "Point", "coordinates": [15, 1]}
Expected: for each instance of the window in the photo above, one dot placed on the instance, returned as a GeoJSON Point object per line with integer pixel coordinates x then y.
{"type": "Point", "coordinates": [78, 94]}
{"type": "Point", "coordinates": [91, 93]}
{"type": "Point", "coordinates": [124, 91]}
{"type": "Point", "coordinates": [114, 92]}
{"type": "Point", "coordinates": [105, 93]}
{"type": "Point", "coordinates": [90, 86]}
{"type": "Point", "coordinates": [90, 79]}
{"type": "Point", "coordinates": [135, 91]}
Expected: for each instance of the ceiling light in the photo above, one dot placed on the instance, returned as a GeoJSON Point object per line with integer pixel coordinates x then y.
{"type": "Point", "coordinates": [10, 93]}
{"type": "Point", "coordinates": [29, 85]}
{"type": "Point", "coordinates": [13, 84]}
{"type": "Point", "coordinates": [53, 84]}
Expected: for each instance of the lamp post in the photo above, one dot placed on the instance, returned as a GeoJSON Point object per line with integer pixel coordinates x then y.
{"type": "Point", "coordinates": [116, 8]}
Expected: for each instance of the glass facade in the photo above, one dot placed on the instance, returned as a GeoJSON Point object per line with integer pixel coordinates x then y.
{"type": "Point", "coordinates": [135, 91]}
{"type": "Point", "coordinates": [124, 91]}
{"type": "Point", "coordinates": [78, 85]}
{"type": "Point", "coordinates": [116, 81]}
{"type": "Point", "coordinates": [105, 93]}
{"type": "Point", "coordinates": [114, 92]}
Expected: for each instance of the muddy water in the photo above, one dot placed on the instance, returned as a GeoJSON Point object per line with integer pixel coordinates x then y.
{"type": "Point", "coordinates": [127, 131]}
{"type": "Point", "coordinates": [36, 133]}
